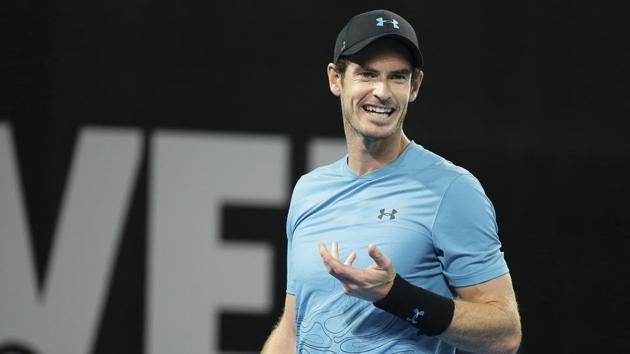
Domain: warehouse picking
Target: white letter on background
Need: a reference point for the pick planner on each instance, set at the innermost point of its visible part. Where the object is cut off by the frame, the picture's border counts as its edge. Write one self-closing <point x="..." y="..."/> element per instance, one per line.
<point x="192" y="273"/>
<point x="63" y="317"/>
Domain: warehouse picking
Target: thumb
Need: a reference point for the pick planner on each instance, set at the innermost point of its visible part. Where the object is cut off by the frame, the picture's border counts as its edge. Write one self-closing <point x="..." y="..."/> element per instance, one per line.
<point x="378" y="256"/>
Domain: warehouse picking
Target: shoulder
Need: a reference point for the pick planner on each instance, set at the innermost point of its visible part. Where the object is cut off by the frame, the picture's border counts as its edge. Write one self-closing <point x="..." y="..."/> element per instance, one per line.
<point x="435" y="171"/>
<point x="313" y="187"/>
<point x="319" y="177"/>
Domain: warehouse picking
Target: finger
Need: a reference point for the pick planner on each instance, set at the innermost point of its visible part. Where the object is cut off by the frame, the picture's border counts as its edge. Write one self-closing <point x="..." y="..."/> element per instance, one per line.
<point x="334" y="250"/>
<point x="322" y="248"/>
<point x="378" y="257"/>
<point x="350" y="259"/>
<point x="323" y="252"/>
<point x="341" y="271"/>
<point x="333" y="265"/>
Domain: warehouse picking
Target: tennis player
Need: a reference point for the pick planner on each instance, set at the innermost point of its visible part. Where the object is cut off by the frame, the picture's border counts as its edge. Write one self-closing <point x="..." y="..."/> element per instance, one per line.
<point x="391" y="249"/>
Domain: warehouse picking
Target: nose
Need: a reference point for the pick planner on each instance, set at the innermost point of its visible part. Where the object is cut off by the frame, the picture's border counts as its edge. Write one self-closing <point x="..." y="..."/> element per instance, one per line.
<point x="382" y="91"/>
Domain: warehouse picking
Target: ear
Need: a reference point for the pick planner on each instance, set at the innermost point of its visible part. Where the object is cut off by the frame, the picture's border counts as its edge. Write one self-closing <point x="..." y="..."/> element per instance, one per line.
<point x="415" y="86"/>
<point x="334" y="79"/>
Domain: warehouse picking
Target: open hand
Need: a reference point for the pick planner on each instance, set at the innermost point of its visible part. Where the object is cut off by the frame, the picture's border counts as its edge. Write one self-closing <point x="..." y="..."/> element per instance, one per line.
<point x="371" y="283"/>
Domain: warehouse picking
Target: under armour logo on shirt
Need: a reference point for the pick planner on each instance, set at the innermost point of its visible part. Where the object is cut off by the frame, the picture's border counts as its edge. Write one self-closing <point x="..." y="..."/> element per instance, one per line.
<point x="381" y="22"/>
<point x="391" y="215"/>
<point x="415" y="315"/>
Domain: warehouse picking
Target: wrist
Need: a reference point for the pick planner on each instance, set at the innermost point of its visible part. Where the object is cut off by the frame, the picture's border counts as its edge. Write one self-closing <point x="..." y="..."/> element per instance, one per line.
<point x="429" y="312"/>
<point x="385" y="289"/>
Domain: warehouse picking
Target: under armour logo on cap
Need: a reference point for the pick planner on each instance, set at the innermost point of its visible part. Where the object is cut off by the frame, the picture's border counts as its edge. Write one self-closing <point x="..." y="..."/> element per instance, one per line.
<point x="367" y="27"/>
<point x="381" y="22"/>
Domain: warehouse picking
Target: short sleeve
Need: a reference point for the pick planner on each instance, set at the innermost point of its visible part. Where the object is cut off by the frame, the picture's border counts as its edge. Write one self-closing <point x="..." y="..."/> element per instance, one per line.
<point x="465" y="235"/>
<point x="291" y="220"/>
<point x="290" y="279"/>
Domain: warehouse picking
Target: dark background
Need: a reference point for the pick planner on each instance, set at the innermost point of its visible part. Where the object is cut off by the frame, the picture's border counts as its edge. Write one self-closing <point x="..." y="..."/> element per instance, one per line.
<point x="530" y="96"/>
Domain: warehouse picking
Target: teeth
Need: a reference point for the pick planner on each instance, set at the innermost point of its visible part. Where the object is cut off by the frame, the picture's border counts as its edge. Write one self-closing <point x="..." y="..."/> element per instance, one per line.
<point x="377" y="109"/>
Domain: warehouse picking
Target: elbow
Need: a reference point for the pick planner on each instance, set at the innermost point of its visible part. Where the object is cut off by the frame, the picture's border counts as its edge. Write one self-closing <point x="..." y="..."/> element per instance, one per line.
<point x="515" y="338"/>
<point x="511" y="341"/>
<point x="512" y="345"/>
<point x="509" y="344"/>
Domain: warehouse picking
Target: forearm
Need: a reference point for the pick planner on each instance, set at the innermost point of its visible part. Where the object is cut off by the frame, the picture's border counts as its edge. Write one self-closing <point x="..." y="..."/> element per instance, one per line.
<point x="485" y="320"/>
<point x="281" y="340"/>
<point x="484" y="328"/>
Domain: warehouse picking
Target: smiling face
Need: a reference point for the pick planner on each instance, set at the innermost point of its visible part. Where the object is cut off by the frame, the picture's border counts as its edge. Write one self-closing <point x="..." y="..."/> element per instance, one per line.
<point x="375" y="89"/>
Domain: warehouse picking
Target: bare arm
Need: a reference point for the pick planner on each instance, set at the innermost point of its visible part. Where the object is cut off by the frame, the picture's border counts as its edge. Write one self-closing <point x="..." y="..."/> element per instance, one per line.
<point x="486" y="319"/>
<point x="282" y="338"/>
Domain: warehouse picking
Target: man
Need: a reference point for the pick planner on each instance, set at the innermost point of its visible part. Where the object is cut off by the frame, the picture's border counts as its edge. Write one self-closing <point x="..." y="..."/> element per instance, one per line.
<point x="435" y="279"/>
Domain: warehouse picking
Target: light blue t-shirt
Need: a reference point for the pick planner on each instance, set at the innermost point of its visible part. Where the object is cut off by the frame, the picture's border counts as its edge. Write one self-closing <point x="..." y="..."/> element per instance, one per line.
<point x="429" y="216"/>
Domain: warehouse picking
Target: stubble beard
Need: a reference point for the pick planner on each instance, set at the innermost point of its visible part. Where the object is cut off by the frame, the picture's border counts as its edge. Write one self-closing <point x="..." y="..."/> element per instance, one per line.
<point x="353" y="127"/>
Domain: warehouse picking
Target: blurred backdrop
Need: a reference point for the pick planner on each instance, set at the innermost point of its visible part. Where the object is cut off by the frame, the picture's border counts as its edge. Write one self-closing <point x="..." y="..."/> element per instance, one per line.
<point x="148" y="150"/>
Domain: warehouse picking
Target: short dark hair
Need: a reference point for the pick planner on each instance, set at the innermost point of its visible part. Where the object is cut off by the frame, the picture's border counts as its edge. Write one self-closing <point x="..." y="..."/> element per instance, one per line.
<point x="342" y="64"/>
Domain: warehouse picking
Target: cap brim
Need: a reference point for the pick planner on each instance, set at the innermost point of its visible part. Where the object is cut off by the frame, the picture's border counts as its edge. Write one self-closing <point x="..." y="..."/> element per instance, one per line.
<point x="357" y="47"/>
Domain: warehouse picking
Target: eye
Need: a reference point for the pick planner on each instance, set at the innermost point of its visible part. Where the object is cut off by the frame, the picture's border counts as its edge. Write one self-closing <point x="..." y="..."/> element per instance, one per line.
<point x="399" y="77"/>
<point x="367" y="74"/>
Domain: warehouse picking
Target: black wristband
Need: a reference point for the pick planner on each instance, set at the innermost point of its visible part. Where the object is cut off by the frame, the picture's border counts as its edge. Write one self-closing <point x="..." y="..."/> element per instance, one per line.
<point x="425" y="310"/>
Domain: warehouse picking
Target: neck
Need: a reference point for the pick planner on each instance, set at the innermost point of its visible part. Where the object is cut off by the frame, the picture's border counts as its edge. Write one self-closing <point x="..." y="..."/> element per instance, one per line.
<point x="365" y="155"/>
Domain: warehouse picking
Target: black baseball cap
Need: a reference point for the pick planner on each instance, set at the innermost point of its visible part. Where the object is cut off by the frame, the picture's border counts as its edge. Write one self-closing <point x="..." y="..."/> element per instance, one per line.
<point x="367" y="27"/>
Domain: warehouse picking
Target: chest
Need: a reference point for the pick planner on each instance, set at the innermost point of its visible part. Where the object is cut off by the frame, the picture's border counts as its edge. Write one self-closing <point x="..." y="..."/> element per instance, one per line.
<point x="397" y="220"/>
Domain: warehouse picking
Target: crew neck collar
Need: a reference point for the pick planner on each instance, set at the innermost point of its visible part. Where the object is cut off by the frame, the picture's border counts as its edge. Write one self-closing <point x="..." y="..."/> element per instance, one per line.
<point x="381" y="171"/>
